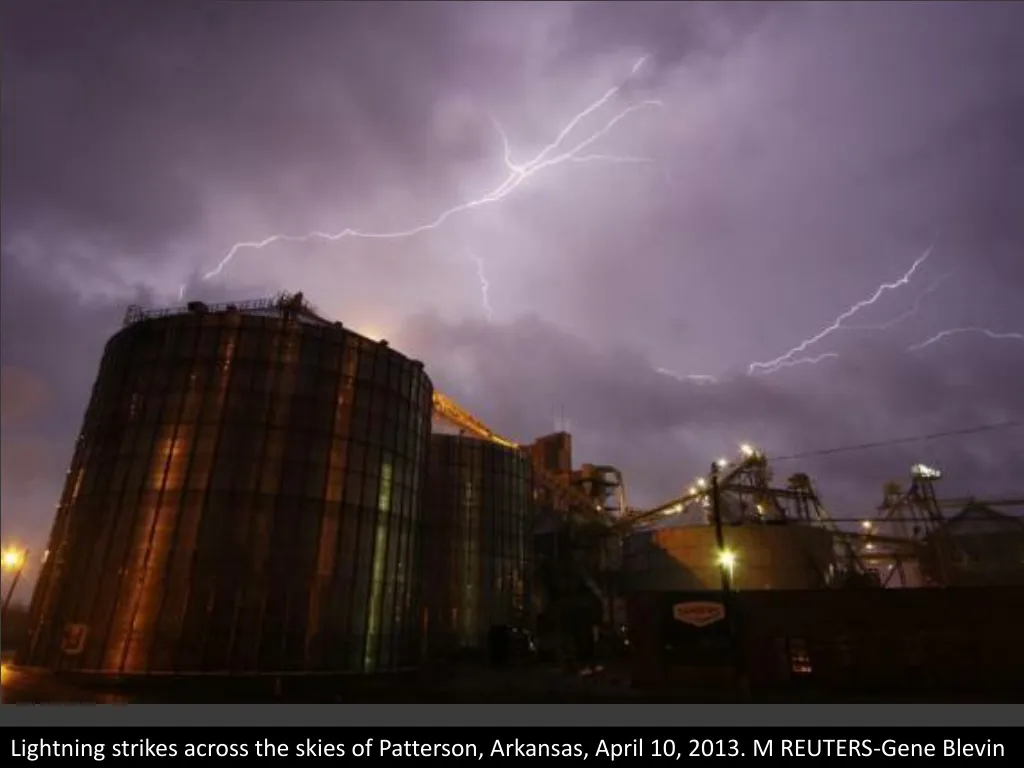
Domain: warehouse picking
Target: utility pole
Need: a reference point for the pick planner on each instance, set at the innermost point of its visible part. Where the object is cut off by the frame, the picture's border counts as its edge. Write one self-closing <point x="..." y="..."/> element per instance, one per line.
<point x="721" y="555"/>
<point x="725" y="565"/>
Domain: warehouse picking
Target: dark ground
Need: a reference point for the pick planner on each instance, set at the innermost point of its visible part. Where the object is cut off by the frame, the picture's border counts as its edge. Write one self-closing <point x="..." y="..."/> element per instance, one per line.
<point x="474" y="686"/>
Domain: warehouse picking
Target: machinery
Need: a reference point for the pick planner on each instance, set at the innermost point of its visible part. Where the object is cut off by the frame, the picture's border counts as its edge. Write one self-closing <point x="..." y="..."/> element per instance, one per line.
<point x="891" y="542"/>
<point x="907" y="543"/>
<point x="575" y="555"/>
<point x="568" y="498"/>
<point x="746" y="496"/>
<point x="910" y="542"/>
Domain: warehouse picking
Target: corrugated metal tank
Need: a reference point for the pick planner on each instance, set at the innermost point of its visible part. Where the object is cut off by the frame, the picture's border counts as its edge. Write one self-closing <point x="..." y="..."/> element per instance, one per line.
<point x="766" y="557"/>
<point x="244" y="496"/>
<point x="477" y="546"/>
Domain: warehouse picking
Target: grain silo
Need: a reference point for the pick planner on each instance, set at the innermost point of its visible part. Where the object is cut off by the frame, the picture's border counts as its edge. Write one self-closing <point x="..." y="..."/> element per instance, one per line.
<point x="477" y="543"/>
<point x="243" y="497"/>
<point x="761" y="556"/>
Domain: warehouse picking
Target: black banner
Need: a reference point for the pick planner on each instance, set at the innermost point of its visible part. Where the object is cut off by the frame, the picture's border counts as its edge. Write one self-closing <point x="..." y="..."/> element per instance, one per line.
<point x="619" y="746"/>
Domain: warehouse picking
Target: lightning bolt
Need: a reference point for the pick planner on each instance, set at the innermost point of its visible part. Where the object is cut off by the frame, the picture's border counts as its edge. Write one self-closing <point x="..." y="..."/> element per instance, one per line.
<point x="906" y="315"/>
<point x="551" y="155"/>
<point x="772" y="365"/>
<point x="698" y="378"/>
<point x="970" y="329"/>
<point x="484" y="287"/>
<point x="799" y="361"/>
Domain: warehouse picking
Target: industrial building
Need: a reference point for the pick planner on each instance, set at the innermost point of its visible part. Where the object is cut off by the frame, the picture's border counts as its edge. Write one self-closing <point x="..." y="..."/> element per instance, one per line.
<point x="891" y="641"/>
<point x="477" y="544"/>
<point x="985" y="547"/>
<point x="256" y="489"/>
<point x="244" y="496"/>
<point x="684" y="558"/>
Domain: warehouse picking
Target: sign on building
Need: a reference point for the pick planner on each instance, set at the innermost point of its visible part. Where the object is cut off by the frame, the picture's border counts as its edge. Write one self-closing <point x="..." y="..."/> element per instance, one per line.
<point x="698" y="613"/>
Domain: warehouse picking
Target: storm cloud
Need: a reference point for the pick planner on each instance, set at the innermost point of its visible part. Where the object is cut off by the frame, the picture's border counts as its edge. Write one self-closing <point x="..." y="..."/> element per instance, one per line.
<point x="798" y="156"/>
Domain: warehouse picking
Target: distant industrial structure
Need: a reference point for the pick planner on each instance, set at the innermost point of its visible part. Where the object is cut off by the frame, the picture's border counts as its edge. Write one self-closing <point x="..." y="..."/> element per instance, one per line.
<point x="257" y="489"/>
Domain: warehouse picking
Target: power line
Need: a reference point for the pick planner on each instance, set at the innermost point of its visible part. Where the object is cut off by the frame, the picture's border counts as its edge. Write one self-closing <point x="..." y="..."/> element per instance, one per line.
<point x="902" y="440"/>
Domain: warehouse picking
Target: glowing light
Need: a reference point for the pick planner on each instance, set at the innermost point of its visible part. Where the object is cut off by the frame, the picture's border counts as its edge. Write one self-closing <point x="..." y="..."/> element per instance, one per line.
<point x="701" y="482"/>
<point x="12" y="559"/>
<point x="692" y="490"/>
<point x="727" y="559"/>
<point x="970" y="329"/>
<point x="722" y="463"/>
<point x="866" y="525"/>
<point x="551" y="155"/>
<point x="926" y="472"/>
<point x="747" y="450"/>
<point x="772" y="365"/>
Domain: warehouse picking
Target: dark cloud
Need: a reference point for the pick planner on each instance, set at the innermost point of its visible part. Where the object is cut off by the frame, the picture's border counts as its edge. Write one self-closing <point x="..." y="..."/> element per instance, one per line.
<point x="47" y="332"/>
<point x="117" y="118"/>
<point x="22" y="394"/>
<point x="668" y="33"/>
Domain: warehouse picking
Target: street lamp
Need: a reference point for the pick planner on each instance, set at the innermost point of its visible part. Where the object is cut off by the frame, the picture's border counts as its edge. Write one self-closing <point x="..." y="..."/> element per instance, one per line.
<point x="12" y="561"/>
<point x="727" y="560"/>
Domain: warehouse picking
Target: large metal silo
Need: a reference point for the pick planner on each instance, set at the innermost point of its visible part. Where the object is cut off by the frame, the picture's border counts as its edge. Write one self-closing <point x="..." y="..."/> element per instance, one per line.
<point x="477" y="542"/>
<point x="244" y="497"/>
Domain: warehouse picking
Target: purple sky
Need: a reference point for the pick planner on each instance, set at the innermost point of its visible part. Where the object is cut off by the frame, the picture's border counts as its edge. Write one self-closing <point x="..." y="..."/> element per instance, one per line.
<point x="798" y="157"/>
